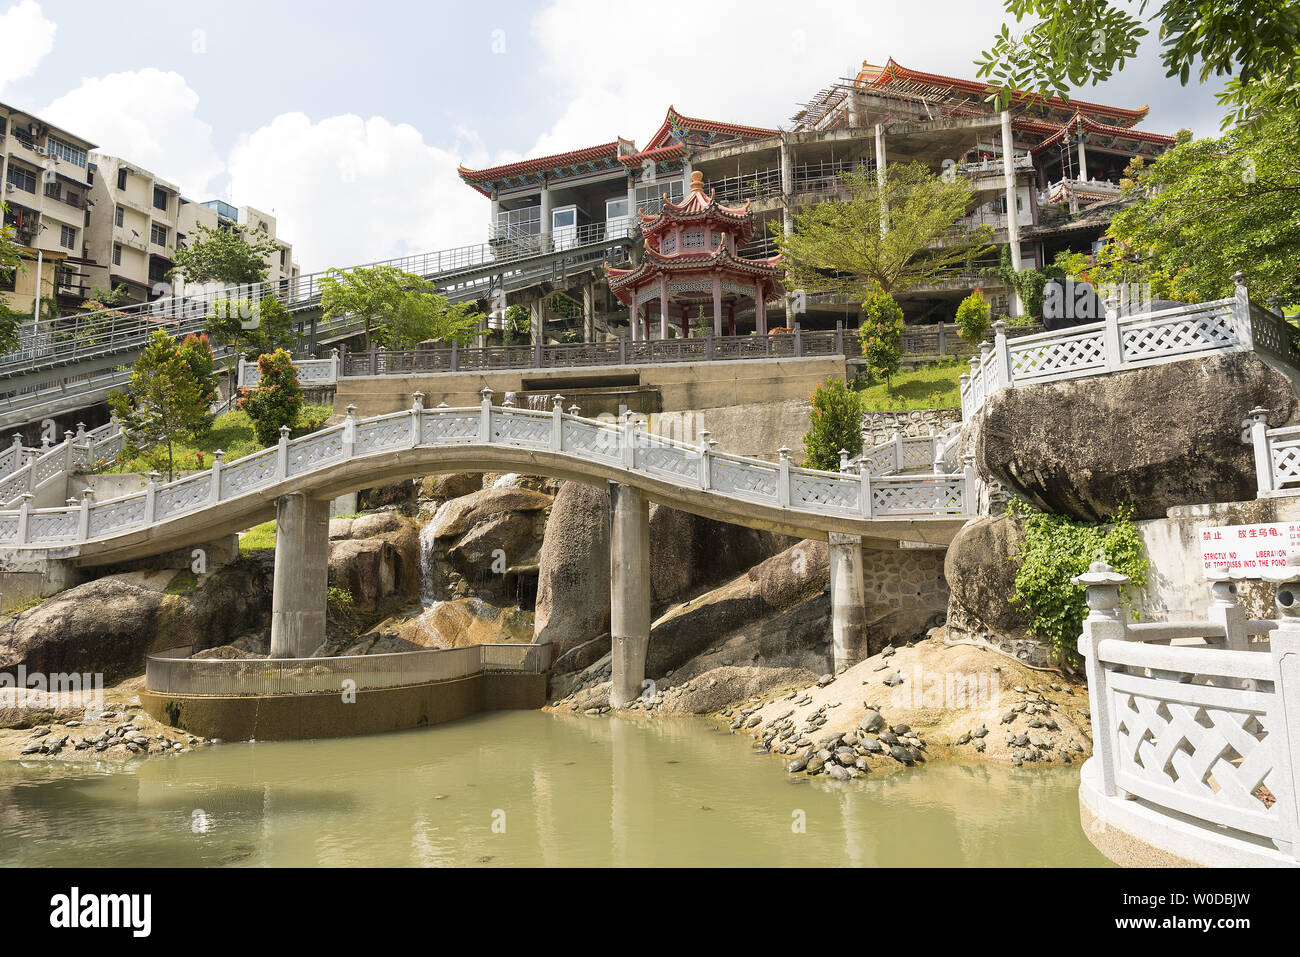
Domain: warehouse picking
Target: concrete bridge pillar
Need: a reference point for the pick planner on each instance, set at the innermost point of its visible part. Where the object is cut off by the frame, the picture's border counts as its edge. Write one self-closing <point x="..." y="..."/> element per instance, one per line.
<point x="629" y="573"/>
<point x="302" y="552"/>
<point x="848" y="600"/>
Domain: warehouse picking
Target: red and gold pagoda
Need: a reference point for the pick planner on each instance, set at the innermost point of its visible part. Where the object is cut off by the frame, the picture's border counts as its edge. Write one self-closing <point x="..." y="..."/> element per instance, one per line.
<point x="691" y="266"/>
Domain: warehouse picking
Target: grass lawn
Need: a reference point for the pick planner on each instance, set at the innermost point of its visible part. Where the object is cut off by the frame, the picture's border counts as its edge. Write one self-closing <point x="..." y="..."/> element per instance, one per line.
<point x="258" y="538"/>
<point x="936" y="386"/>
<point x="232" y="433"/>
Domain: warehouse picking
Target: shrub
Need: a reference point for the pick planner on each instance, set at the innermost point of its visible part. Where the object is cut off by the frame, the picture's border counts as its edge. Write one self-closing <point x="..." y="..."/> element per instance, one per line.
<point x="277" y="400"/>
<point x="1057" y="549"/>
<point x="973" y="317"/>
<point x="881" y="335"/>
<point x="835" y="423"/>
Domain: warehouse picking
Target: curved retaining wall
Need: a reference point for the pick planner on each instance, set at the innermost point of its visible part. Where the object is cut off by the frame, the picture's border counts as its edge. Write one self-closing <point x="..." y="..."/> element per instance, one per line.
<point x="327" y="715"/>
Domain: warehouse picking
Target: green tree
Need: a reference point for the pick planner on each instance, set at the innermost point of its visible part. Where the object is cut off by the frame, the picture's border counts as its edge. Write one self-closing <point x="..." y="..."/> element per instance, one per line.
<point x="230" y="256"/>
<point x="196" y="351"/>
<point x="11" y="260"/>
<point x="394" y="305"/>
<point x="880" y="336"/>
<point x="249" y="328"/>
<point x="166" y="402"/>
<point x="277" y="400"/>
<point x="973" y="317"/>
<point x="835" y="423"/>
<point x="1082" y="42"/>
<point x="516" y="325"/>
<point x="424" y="316"/>
<point x="1210" y="208"/>
<point x="842" y="247"/>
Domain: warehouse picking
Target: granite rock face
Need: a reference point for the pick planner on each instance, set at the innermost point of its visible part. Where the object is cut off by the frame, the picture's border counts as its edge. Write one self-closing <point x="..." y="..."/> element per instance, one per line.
<point x="1151" y="438"/>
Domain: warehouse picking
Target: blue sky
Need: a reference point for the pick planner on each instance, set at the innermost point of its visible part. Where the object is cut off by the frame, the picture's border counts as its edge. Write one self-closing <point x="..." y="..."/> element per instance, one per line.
<point x="347" y="120"/>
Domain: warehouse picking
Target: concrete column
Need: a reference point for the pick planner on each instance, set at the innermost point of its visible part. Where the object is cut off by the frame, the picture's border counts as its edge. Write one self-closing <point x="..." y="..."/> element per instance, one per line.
<point x="546" y="215"/>
<point x="492" y="220"/>
<point x="880" y="178"/>
<point x="848" y="600"/>
<point x="787" y="186"/>
<point x="536" y="321"/>
<point x="855" y="118"/>
<point x="1013" y="216"/>
<point x="301" y="574"/>
<point x="589" y="312"/>
<point x="663" y="307"/>
<point x="1083" y="157"/>
<point x="629" y="573"/>
<point x="717" y="305"/>
<point x="631" y="200"/>
<point x="687" y="169"/>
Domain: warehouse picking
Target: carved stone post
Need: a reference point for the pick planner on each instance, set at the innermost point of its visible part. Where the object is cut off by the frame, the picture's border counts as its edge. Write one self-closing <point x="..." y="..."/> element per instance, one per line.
<point x="1254" y="430"/>
<point x="1106" y="620"/>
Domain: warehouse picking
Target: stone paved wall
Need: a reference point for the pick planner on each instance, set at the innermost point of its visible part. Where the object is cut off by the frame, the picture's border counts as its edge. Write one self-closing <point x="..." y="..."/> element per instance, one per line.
<point x="907" y="578"/>
<point x="878" y="427"/>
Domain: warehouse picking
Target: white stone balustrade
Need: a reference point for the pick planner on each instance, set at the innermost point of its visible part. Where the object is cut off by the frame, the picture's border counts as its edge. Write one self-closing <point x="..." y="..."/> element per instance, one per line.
<point x="1277" y="454"/>
<point x="910" y="453"/>
<point x="311" y="372"/>
<point x="624" y="447"/>
<point x="1233" y="324"/>
<point x="1196" y="727"/>
<point x="46" y="470"/>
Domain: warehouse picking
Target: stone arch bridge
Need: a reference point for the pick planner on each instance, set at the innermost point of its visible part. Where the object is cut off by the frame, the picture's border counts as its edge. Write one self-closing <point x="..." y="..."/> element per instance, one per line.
<point x="295" y="481"/>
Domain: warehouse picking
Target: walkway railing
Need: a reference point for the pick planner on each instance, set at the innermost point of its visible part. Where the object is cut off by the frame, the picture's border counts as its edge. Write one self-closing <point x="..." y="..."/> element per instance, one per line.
<point x="909" y="453"/>
<point x="226" y="677"/>
<point x="311" y="372"/>
<point x="1190" y="718"/>
<point x="1116" y="344"/>
<point x="1277" y="453"/>
<point x="623" y="351"/>
<point x="624" y="447"/>
<point x="68" y="339"/>
<point x="49" y="467"/>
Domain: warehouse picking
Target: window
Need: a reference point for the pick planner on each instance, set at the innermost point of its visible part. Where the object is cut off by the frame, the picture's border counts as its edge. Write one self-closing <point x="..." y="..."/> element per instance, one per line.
<point x="118" y="216"/>
<point x="67" y="237"/>
<point x="66" y="151"/>
<point x="160" y="199"/>
<point x="649" y="198"/>
<point x="121" y="178"/>
<point x="22" y="178"/>
<point x="616" y="208"/>
<point x="526" y="221"/>
<point x="282" y="252"/>
<point x="158" y="235"/>
<point x="117" y="254"/>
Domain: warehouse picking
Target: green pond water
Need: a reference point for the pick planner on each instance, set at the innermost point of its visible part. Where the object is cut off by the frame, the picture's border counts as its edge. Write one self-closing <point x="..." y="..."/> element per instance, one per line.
<point x="531" y="789"/>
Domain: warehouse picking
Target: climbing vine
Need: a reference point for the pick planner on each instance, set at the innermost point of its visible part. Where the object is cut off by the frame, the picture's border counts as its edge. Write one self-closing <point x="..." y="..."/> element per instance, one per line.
<point x="1056" y="549"/>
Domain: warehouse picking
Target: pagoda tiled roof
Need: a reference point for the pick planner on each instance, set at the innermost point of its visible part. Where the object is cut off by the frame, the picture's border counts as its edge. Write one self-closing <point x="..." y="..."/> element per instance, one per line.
<point x="1055" y="132"/>
<point x="479" y="178"/>
<point x="894" y="71"/>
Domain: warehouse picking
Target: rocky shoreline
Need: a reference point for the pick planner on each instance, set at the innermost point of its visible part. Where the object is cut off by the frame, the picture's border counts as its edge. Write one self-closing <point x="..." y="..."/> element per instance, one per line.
<point x="901" y="708"/>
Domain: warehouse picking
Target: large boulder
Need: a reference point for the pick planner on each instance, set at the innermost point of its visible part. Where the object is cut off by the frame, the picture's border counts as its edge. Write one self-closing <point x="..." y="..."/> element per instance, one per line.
<point x="573" y="572"/>
<point x="981" y="574"/>
<point x="459" y="515"/>
<point x="687" y="553"/>
<point x="379" y="563"/>
<point x="1151" y="438"/>
<point x="111" y="624"/>
<point x="472" y="539"/>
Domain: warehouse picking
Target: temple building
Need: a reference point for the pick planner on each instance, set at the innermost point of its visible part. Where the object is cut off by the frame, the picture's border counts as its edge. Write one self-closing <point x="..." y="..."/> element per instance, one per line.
<point x="690" y="264"/>
<point x="1044" y="175"/>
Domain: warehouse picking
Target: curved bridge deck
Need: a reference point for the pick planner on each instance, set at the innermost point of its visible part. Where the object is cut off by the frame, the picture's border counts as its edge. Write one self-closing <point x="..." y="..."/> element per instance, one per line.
<point x="367" y="452"/>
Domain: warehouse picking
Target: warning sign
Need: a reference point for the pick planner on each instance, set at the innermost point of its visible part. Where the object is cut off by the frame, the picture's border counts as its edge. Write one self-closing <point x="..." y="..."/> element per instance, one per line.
<point x="1250" y="551"/>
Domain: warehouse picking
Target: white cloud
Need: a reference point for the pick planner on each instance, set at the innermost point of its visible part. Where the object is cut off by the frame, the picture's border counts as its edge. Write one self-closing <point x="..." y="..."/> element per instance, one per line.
<point x="148" y="117"/>
<point x="28" y="38"/>
<point x="346" y="190"/>
<point x="728" y="60"/>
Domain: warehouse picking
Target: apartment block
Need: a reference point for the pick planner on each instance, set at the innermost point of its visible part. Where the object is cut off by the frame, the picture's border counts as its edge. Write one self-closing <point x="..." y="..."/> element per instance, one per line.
<point x="134" y="227"/>
<point x="48" y="180"/>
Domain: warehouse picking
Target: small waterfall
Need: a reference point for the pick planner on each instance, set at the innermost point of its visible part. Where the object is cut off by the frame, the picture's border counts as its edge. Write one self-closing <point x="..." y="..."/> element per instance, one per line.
<point x="539" y="403"/>
<point x="427" y="596"/>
